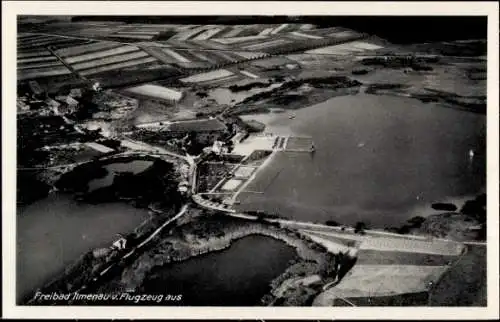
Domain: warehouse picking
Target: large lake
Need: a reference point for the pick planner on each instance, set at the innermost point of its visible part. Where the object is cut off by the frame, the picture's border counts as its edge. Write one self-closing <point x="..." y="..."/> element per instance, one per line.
<point x="378" y="159"/>
<point x="237" y="276"/>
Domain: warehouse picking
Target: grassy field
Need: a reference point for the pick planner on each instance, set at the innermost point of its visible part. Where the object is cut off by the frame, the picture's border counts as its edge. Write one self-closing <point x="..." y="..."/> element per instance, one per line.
<point x="408" y="299"/>
<point x="465" y="283"/>
<point x="370" y="257"/>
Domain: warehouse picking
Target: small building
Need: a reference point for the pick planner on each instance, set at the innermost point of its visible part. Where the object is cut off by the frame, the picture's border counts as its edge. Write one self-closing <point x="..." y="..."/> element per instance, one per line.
<point x="101" y="252"/>
<point x="71" y="102"/>
<point x="75" y="92"/>
<point x="22" y="106"/>
<point x="68" y="104"/>
<point x="35" y="88"/>
<point x="238" y="137"/>
<point x="52" y="103"/>
<point x="120" y="244"/>
<point x="156" y="95"/>
<point x="217" y="147"/>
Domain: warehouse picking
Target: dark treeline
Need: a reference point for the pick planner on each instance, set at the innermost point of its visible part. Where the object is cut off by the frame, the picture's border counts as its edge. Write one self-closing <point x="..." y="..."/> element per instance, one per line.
<point x="397" y="29"/>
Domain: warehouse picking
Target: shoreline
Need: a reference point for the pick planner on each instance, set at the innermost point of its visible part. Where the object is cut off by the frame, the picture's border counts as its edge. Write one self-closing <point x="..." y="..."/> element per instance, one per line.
<point x="310" y="255"/>
<point x="280" y="123"/>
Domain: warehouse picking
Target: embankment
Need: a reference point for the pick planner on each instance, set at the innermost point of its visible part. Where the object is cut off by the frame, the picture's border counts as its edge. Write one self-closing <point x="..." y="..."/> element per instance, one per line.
<point x="218" y="232"/>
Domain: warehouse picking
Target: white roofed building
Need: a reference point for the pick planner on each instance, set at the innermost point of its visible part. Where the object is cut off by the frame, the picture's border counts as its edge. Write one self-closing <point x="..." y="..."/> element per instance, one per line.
<point x="155" y="92"/>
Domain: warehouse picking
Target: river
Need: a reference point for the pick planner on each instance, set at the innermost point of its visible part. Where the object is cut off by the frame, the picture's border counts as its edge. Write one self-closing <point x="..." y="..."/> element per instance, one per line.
<point x="237" y="276"/>
<point x="378" y="159"/>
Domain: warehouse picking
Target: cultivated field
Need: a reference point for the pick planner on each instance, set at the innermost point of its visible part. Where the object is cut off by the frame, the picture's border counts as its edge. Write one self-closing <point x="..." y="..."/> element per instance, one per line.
<point x="33" y="73"/>
<point x="87" y="48"/>
<point x="110" y="60"/>
<point x="100" y="54"/>
<point x="386" y="280"/>
<point x="413" y="246"/>
<point x="209" y="76"/>
<point x="118" y="66"/>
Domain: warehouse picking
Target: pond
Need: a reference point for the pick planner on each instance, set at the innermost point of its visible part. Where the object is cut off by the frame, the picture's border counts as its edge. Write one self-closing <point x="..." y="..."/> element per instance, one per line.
<point x="135" y="167"/>
<point x="237" y="276"/>
<point x="54" y="232"/>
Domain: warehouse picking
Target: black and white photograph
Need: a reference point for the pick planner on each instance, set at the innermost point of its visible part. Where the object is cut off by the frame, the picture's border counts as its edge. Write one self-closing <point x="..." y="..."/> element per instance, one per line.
<point x="252" y="160"/>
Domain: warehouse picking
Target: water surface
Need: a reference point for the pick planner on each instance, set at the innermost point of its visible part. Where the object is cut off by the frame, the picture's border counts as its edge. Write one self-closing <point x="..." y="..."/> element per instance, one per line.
<point x="54" y="232"/>
<point x="378" y="159"/>
<point x="237" y="276"/>
<point x="135" y="167"/>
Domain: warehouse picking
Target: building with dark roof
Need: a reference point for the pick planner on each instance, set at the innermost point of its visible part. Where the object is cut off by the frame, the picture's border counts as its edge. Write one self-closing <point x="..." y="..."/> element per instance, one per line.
<point x="207" y="130"/>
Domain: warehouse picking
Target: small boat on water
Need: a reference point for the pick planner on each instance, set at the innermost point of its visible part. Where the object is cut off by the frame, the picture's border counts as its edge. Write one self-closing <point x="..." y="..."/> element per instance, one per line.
<point x="292" y="116"/>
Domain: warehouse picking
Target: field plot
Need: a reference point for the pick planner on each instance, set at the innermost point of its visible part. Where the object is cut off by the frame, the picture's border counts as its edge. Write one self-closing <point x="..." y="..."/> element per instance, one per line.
<point x="236" y="40"/>
<point x="233" y="32"/>
<point x="82" y="29"/>
<point x="229" y="56"/>
<point x="413" y="246"/>
<point x="207" y="34"/>
<point x="178" y="57"/>
<point x="197" y="58"/>
<point x="249" y="74"/>
<point x="444" y="79"/>
<point x="346" y="48"/>
<point x="249" y="54"/>
<point x="51" y="63"/>
<point x="331" y="245"/>
<point x="134" y="75"/>
<point x="134" y="36"/>
<point x="267" y="44"/>
<point x="211" y="174"/>
<point x="100" y="54"/>
<point x="40" y="42"/>
<point x="280" y="28"/>
<point x="375" y="257"/>
<point x="35" y="60"/>
<point x="99" y="57"/>
<point x="33" y="54"/>
<point x="109" y="60"/>
<point x="302" y="35"/>
<point x="209" y="76"/>
<point x="406" y="299"/>
<point x="189" y="32"/>
<point x="343" y="238"/>
<point x="125" y="64"/>
<point x="385" y="280"/>
<point x="464" y="284"/>
<point x="87" y="48"/>
<point x="33" y="73"/>
<point x="315" y="61"/>
<point x="273" y="63"/>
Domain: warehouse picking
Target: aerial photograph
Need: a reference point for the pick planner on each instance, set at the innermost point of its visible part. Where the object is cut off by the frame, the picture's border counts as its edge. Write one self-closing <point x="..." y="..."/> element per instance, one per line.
<point x="251" y="161"/>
